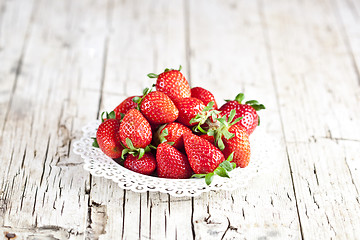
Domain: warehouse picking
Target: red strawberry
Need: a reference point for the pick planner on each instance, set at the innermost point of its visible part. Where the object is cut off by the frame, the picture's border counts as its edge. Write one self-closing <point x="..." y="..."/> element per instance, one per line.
<point x="172" y="83"/>
<point x="248" y="111"/>
<point x="211" y="139"/>
<point x="124" y="107"/>
<point x="203" y="156"/>
<point x="204" y="95"/>
<point x="239" y="145"/>
<point x="158" y="108"/>
<point x="107" y="138"/>
<point x="171" y="163"/>
<point x="188" y="109"/>
<point x="145" y="165"/>
<point x="136" y="128"/>
<point x="172" y="132"/>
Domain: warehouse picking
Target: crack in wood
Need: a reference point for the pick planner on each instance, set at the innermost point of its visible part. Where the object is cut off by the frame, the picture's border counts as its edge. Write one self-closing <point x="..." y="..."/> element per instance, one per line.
<point x="45" y="159"/>
<point x="23" y="194"/>
<point x="140" y="209"/>
<point x="97" y="220"/>
<point x="330" y="225"/>
<point x="43" y="232"/>
<point x="150" y="214"/>
<point x="315" y="173"/>
<point x="229" y="227"/>
<point x="351" y="176"/>
<point x="123" y="220"/>
<point x="192" y="218"/>
<point x="35" y="199"/>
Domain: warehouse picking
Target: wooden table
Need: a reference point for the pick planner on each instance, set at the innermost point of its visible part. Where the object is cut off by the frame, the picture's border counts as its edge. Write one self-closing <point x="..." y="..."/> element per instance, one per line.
<point x="64" y="62"/>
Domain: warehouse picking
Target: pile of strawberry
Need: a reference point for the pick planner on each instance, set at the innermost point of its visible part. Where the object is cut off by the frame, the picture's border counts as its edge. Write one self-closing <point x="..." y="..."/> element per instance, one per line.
<point x="179" y="132"/>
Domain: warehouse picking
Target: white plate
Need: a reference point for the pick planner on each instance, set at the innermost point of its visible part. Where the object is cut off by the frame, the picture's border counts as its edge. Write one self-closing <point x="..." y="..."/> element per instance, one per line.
<point x="98" y="164"/>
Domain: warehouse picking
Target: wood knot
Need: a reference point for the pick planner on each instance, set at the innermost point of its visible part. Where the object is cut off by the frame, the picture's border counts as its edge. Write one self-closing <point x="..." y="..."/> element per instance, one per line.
<point x="10" y="235"/>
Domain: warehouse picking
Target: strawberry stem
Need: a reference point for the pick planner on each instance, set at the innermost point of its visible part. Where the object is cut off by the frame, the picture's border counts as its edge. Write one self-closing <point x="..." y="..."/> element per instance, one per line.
<point x="139" y="100"/>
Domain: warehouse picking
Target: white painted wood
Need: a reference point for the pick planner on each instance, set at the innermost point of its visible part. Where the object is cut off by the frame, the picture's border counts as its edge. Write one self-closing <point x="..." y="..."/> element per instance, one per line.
<point x="57" y="91"/>
<point x="229" y="56"/>
<point x="318" y="92"/>
<point x="13" y="41"/>
<point x="64" y="62"/>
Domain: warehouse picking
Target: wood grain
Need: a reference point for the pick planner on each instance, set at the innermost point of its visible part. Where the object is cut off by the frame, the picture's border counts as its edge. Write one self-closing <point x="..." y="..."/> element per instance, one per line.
<point x="64" y="62"/>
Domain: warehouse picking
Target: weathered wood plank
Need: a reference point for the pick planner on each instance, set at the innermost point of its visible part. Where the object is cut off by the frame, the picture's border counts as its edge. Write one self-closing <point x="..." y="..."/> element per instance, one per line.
<point x="348" y="16"/>
<point x="13" y="42"/>
<point x="317" y="91"/>
<point x="45" y="185"/>
<point x="228" y="56"/>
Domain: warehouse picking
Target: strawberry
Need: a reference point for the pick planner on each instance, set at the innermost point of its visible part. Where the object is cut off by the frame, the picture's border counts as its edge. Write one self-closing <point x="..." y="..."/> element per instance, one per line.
<point x="205" y="159"/>
<point x="211" y="139"/>
<point x="188" y="109"/>
<point x="107" y="138"/>
<point x="172" y="132"/>
<point x="158" y="108"/>
<point x="172" y="83"/>
<point x="171" y="163"/>
<point x="136" y="128"/>
<point x="203" y="156"/>
<point x="204" y="95"/>
<point x="239" y="145"/>
<point x="145" y="165"/>
<point x="125" y="106"/>
<point x="248" y="111"/>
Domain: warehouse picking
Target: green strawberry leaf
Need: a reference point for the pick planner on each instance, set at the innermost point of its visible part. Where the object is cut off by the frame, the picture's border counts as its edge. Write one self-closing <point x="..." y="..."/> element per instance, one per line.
<point x="152" y="75"/>
<point x="149" y="147"/>
<point x="230" y="157"/>
<point x="208" y="107"/>
<point x="136" y="99"/>
<point x="226" y="165"/>
<point x="240" y="97"/>
<point x="221" y="172"/>
<point x="145" y="91"/>
<point x="102" y="116"/>
<point x="258" y="120"/>
<point x="129" y="143"/>
<point x="236" y="121"/>
<point x="111" y="115"/>
<point x="231" y="115"/>
<point x="95" y="143"/>
<point x="258" y="107"/>
<point x="124" y="152"/>
<point x="209" y="178"/>
<point x="199" y="175"/>
<point x="165" y="132"/>
<point x="141" y="152"/>
<point x="220" y="144"/>
<point x="211" y="132"/>
<point x="251" y="102"/>
<point x="180" y="68"/>
<point x="228" y="134"/>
